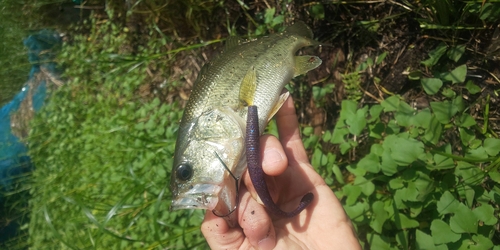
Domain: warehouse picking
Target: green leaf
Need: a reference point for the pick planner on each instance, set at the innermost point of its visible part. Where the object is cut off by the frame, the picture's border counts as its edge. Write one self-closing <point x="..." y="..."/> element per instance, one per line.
<point x="403" y="151"/>
<point x="425" y="242"/>
<point x="431" y="85"/>
<point x="269" y="15"/>
<point x="403" y="222"/>
<point x="444" y="111"/>
<point x="472" y="88"/>
<point x="466" y="121"/>
<point x="463" y="220"/>
<point x="378" y="242"/>
<point x="443" y="162"/>
<point x="357" y="121"/>
<point x="434" y="55"/>
<point x="370" y="163"/>
<point x="471" y="174"/>
<point x="388" y="165"/>
<point x="477" y="153"/>
<point x="495" y="176"/>
<point x="455" y="52"/>
<point x="434" y="130"/>
<point x="380" y="58"/>
<point x="357" y="211"/>
<point x="492" y="146"/>
<point x="391" y="104"/>
<point x="447" y="203"/>
<point x="457" y="75"/>
<point x="375" y="112"/>
<point x="367" y="187"/>
<point x="352" y="192"/>
<point x="486" y="213"/>
<point x="441" y="232"/>
<point x="338" y="174"/>
<point x="317" y="11"/>
<point x="396" y="183"/>
<point x="379" y="216"/>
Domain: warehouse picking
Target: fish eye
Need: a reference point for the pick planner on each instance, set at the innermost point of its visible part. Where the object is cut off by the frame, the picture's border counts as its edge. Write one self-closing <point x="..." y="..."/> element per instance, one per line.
<point x="184" y="172"/>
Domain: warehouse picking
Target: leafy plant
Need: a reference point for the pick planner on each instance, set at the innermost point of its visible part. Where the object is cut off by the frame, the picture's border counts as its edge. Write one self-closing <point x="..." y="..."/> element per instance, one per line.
<point x="103" y="155"/>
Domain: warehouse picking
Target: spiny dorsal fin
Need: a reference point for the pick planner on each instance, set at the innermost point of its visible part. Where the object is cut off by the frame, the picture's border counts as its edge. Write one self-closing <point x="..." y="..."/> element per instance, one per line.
<point x="300" y="28"/>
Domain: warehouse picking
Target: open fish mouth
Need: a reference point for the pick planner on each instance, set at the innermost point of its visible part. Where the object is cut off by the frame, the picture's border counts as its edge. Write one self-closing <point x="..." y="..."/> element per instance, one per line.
<point x="200" y="196"/>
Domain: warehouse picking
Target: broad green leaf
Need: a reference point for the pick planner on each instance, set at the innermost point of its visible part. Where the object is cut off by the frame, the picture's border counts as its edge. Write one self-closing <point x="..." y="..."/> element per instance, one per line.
<point x="492" y="146"/>
<point x="467" y="193"/>
<point x="391" y="104"/>
<point x="486" y="213"/>
<point x="476" y="242"/>
<point x="431" y="85"/>
<point x="463" y="220"/>
<point x="443" y="162"/>
<point x="396" y="183"/>
<point x="425" y="242"/>
<point x="467" y="136"/>
<point x="471" y="174"/>
<point x="466" y="121"/>
<point x="434" y="55"/>
<point x="441" y="232"/>
<point x="352" y="192"/>
<point x="379" y="216"/>
<point x="422" y="118"/>
<point x="455" y="52"/>
<point x="367" y="186"/>
<point x="388" y="165"/>
<point x="444" y="111"/>
<point x="457" y="75"/>
<point x="370" y="163"/>
<point x="357" y="211"/>
<point x="339" y="135"/>
<point x="357" y="121"/>
<point x="403" y="151"/>
<point x="447" y="203"/>
<point x="472" y="88"/>
<point x="378" y="242"/>
<point x="403" y="222"/>
<point x="477" y="153"/>
<point x="495" y="176"/>
<point x="375" y="112"/>
<point x="434" y="130"/>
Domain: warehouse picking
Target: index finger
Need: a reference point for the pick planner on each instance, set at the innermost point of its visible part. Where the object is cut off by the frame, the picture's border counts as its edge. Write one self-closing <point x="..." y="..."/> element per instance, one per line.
<point x="289" y="133"/>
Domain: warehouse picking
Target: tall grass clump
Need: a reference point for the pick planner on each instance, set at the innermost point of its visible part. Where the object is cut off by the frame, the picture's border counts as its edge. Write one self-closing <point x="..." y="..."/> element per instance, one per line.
<point x="103" y="154"/>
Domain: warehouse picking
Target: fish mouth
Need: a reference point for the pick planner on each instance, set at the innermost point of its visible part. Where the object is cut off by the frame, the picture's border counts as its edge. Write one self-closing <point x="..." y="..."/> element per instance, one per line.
<point x="200" y="196"/>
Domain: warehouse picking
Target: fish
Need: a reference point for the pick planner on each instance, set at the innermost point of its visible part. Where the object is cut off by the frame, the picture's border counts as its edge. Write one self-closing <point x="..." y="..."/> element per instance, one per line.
<point x="210" y="151"/>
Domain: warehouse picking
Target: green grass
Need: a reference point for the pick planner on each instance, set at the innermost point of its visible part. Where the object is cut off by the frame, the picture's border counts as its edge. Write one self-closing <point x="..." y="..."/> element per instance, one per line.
<point x="409" y="178"/>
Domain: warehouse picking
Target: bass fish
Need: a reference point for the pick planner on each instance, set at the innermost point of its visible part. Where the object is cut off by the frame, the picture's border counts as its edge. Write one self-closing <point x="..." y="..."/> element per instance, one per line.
<point x="211" y="148"/>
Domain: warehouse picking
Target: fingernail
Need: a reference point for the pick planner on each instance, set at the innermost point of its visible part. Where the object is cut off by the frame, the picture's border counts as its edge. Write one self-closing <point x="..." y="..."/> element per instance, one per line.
<point x="271" y="156"/>
<point x="266" y="243"/>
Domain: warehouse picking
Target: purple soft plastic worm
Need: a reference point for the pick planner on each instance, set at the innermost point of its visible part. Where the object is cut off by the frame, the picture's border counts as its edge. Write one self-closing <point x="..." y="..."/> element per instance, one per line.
<point x="256" y="172"/>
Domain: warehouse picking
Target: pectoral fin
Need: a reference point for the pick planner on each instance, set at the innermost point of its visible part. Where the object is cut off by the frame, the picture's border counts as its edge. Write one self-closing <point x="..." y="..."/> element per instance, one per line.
<point x="248" y="87"/>
<point x="305" y="63"/>
<point x="278" y="105"/>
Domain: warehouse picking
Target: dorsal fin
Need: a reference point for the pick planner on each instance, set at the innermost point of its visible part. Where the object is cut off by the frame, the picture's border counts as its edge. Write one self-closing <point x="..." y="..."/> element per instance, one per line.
<point x="300" y="28"/>
<point x="232" y="41"/>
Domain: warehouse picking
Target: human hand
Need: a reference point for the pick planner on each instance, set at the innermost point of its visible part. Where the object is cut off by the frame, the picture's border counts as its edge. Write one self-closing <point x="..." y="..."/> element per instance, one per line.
<point x="322" y="225"/>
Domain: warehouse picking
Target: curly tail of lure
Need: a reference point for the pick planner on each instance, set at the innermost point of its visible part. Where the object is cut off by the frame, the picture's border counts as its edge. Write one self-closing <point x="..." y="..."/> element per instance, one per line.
<point x="256" y="172"/>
